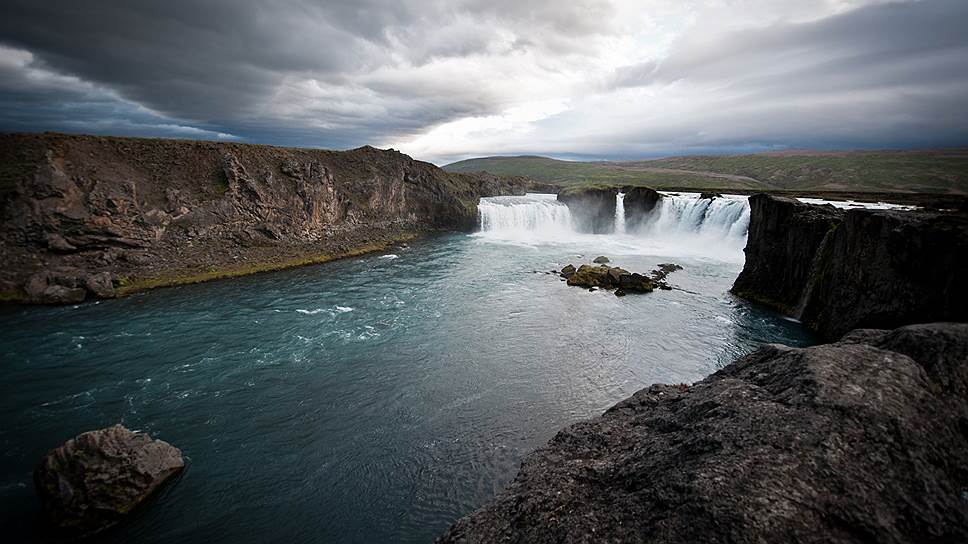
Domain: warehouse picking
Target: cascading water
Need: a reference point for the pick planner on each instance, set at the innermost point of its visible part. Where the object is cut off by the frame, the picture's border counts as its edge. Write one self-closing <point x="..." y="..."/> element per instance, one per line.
<point x="620" y="213"/>
<point x="723" y="218"/>
<point x="529" y="215"/>
<point x="681" y="224"/>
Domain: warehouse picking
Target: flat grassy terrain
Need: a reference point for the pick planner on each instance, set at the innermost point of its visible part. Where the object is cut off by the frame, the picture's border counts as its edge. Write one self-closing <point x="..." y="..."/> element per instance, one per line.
<point x="928" y="171"/>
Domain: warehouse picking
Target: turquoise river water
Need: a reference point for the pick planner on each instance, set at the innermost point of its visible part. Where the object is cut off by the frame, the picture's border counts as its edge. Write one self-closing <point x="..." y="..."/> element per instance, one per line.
<point x="376" y="399"/>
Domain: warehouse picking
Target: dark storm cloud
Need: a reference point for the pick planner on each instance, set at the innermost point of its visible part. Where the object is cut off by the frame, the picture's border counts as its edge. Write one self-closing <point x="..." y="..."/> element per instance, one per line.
<point x="219" y="64"/>
<point x="879" y="76"/>
<point x="345" y="73"/>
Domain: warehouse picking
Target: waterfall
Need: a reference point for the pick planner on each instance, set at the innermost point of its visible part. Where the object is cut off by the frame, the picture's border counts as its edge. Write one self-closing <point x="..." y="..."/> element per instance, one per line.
<point x="524" y="215"/>
<point x="723" y="218"/>
<point x="681" y="223"/>
<point x="620" y="213"/>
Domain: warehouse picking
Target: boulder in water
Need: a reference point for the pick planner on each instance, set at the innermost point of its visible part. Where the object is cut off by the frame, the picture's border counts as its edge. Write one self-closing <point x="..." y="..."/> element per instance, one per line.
<point x="94" y="480"/>
<point x="607" y="277"/>
<point x="709" y="196"/>
<point x="601" y="259"/>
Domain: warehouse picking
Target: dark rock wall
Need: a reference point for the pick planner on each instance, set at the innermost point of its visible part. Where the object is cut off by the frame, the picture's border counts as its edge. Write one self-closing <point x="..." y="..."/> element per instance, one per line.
<point x="890" y="268"/>
<point x="592" y="208"/>
<point x="858" y="441"/>
<point x="839" y="270"/>
<point x="74" y="207"/>
<point x="639" y="204"/>
<point x="784" y="237"/>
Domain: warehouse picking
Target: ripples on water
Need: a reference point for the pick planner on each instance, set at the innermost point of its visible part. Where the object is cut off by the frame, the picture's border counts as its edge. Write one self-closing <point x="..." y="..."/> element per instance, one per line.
<point x="368" y="400"/>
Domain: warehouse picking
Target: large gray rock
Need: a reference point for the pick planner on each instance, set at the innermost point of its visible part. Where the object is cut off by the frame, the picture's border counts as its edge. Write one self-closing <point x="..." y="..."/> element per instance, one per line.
<point x="859" y="441"/>
<point x="95" y="479"/>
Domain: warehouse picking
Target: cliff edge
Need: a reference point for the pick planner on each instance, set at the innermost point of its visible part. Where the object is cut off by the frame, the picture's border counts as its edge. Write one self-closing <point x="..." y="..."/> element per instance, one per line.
<point x="86" y="216"/>
<point x="858" y="441"/>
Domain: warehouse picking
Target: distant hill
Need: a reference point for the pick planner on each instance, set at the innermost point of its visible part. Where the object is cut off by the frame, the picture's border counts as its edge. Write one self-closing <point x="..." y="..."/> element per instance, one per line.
<point x="927" y="171"/>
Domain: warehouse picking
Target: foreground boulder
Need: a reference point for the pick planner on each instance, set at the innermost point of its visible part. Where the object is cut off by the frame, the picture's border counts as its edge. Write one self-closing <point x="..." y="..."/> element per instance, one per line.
<point x="95" y="479"/>
<point x="837" y="270"/>
<point x="858" y="441"/>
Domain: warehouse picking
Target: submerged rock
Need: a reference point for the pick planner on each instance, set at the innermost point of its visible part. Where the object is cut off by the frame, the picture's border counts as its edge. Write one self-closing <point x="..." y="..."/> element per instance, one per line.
<point x="94" y="480"/>
<point x="858" y="441"/>
<point x="567" y="271"/>
<point x="601" y="259"/>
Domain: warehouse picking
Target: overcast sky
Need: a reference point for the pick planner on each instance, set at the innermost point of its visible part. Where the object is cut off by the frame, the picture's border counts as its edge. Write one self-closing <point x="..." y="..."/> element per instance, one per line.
<point x="451" y="79"/>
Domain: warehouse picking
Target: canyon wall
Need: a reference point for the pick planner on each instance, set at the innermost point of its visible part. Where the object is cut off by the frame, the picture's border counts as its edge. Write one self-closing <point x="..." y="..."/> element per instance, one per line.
<point x="837" y="270"/>
<point x="857" y="441"/>
<point x="84" y="216"/>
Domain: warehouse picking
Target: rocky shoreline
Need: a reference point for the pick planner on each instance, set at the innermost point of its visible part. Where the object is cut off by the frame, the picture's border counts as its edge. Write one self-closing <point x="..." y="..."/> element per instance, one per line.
<point x="857" y="441"/>
<point x="96" y="217"/>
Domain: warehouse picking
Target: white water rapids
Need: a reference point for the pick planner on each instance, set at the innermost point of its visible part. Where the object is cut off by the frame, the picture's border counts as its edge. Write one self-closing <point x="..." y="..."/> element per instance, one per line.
<point x="681" y="224"/>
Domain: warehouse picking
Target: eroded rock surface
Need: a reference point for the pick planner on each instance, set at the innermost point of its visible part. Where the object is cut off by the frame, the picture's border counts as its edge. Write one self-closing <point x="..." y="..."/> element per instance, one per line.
<point x="85" y="216"/>
<point x="859" y="441"/>
<point x="94" y="480"/>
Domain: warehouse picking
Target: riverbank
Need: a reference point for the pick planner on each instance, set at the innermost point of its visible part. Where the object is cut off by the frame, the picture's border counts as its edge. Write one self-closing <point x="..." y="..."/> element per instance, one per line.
<point x="98" y="217"/>
<point x="856" y="441"/>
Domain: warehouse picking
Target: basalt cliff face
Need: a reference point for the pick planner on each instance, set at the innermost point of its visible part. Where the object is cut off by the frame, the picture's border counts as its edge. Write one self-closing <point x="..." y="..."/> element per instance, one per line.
<point x="84" y="216"/>
<point x="859" y="441"/>
<point x="837" y="270"/>
<point x="639" y="203"/>
<point x="592" y="208"/>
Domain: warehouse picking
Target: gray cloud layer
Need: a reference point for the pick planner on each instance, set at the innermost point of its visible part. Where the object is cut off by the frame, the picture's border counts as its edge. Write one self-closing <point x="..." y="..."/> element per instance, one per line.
<point x="345" y="73"/>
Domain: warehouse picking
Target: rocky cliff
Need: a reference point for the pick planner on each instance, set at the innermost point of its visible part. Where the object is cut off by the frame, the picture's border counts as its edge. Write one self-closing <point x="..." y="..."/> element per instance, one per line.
<point x="93" y="216"/>
<point x="859" y="441"/>
<point x="592" y="208"/>
<point x="639" y="203"/>
<point x="838" y="270"/>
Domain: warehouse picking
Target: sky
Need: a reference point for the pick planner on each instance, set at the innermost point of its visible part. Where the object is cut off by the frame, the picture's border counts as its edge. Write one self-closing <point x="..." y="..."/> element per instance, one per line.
<point x="452" y="79"/>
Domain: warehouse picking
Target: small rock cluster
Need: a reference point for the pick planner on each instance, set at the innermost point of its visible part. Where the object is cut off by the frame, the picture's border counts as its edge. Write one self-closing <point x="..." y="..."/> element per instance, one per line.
<point x="615" y="277"/>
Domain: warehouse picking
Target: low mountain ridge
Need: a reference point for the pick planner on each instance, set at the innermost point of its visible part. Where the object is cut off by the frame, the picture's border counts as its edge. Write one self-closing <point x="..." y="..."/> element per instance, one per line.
<point x="921" y="171"/>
